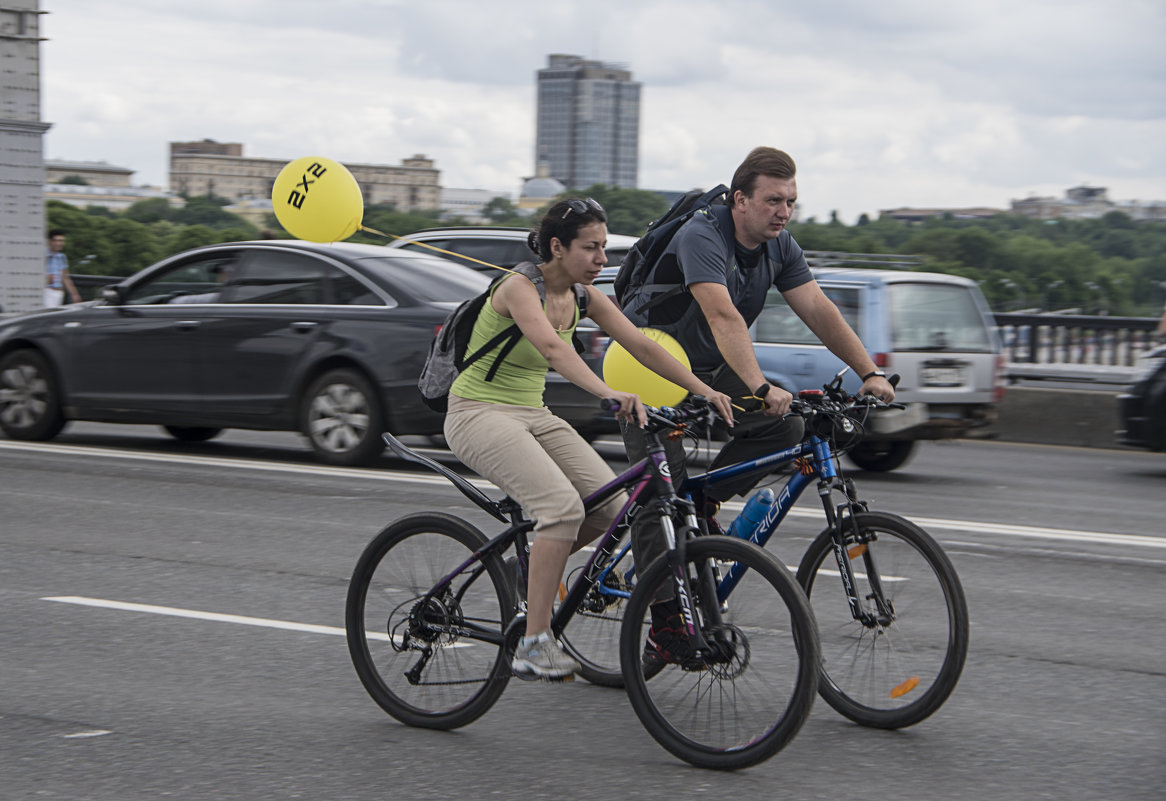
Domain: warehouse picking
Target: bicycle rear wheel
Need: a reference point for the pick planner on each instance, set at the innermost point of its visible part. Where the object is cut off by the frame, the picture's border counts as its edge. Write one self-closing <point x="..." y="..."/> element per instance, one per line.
<point x="901" y="669"/>
<point x="430" y="659"/>
<point x="754" y="691"/>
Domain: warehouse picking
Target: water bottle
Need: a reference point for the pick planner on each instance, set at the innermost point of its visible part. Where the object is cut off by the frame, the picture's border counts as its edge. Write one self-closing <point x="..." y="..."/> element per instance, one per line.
<point x="755" y="510"/>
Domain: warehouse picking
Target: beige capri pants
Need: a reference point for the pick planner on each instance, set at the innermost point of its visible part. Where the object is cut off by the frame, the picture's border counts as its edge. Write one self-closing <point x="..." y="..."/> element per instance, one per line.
<point x="537" y="459"/>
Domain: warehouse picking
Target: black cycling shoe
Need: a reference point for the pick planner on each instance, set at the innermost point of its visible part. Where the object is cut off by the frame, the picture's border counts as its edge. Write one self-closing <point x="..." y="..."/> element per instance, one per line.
<point x="669" y="644"/>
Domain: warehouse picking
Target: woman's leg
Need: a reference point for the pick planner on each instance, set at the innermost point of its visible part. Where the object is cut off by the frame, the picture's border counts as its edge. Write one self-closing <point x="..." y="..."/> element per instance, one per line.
<point x="504" y="444"/>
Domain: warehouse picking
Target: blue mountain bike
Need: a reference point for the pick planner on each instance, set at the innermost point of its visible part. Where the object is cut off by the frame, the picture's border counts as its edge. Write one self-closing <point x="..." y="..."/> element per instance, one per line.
<point x="891" y="613"/>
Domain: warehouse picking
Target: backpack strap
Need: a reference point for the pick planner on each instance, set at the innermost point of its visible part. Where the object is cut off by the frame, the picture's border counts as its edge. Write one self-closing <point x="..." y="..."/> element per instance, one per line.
<point x="510" y="336"/>
<point x="722" y="219"/>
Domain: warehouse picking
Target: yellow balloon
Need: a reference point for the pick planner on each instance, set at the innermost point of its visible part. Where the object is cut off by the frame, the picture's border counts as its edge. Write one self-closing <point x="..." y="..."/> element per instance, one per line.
<point x="317" y="199"/>
<point x="621" y="371"/>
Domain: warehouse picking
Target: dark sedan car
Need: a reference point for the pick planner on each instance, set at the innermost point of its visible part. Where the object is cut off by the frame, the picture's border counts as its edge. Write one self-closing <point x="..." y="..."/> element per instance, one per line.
<point x="1142" y="408"/>
<point x="325" y="339"/>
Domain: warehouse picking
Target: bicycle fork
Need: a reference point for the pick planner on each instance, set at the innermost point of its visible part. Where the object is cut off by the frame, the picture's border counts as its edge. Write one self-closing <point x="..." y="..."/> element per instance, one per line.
<point x="706" y="590"/>
<point x="840" y="518"/>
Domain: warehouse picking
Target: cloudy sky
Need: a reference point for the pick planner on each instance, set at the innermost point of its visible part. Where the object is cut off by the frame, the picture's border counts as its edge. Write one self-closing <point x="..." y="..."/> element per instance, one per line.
<point x="882" y="104"/>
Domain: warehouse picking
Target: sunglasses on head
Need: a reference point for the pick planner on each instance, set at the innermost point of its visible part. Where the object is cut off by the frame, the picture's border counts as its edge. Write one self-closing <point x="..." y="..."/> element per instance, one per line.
<point x="581" y="206"/>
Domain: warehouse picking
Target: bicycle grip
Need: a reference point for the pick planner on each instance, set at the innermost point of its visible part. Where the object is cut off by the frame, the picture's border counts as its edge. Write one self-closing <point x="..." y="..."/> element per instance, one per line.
<point x="609" y="405"/>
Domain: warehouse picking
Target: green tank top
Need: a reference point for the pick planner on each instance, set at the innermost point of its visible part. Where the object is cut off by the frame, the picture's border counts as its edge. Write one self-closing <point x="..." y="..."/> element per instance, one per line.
<point x="522" y="376"/>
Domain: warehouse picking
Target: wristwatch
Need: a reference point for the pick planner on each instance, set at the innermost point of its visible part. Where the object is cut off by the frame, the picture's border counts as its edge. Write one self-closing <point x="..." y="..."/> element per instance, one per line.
<point x="872" y="374"/>
<point x="761" y="391"/>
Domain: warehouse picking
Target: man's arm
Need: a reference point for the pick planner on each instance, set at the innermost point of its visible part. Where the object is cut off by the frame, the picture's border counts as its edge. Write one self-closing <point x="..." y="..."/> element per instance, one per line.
<point x="733" y="340"/>
<point x="69" y="287"/>
<point x="823" y="318"/>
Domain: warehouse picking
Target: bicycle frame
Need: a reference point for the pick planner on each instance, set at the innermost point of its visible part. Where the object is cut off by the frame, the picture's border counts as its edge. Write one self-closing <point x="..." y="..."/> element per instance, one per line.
<point x="816" y="461"/>
<point x="649" y="475"/>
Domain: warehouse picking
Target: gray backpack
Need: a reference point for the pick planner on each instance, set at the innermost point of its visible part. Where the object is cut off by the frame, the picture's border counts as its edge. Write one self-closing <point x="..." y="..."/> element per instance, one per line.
<point x="447" y="353"/>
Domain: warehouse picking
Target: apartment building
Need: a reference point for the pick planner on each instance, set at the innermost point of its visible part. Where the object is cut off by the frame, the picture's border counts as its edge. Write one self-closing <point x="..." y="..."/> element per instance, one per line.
<point x="214" y="168"/>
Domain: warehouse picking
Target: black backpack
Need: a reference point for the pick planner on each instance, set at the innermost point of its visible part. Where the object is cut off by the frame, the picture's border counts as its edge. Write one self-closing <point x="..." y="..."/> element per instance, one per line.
<point x="447" y="353"/>
<point x="637" y="265"/>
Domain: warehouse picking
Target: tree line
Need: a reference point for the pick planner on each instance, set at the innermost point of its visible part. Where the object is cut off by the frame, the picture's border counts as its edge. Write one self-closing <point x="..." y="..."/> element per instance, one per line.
<point x="1113" y="265"/>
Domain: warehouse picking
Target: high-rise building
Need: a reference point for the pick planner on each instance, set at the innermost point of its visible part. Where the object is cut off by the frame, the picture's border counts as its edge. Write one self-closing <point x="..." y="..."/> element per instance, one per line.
<point x="588" y="123"/>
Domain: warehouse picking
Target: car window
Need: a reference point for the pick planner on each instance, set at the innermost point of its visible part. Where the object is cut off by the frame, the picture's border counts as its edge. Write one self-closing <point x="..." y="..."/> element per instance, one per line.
<point x="279" y="277"/>
<point x="936" y="317"/>
<point x="499" y="252"/>
<point x="426" y="278"/>
<point x="193" y="281"/>
<point x="615" y="255"/>
<point x="443" y="244"/>
<point x="343" y="289"/>
<point x="779" y="324"/>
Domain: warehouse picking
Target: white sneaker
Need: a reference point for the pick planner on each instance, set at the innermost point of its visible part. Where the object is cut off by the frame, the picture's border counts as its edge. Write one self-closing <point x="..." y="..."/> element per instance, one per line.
<point x="541" y="657"/>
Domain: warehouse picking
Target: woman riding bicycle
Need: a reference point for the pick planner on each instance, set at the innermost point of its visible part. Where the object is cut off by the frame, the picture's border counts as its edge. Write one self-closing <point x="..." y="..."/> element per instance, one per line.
<point x="501" y="429"/>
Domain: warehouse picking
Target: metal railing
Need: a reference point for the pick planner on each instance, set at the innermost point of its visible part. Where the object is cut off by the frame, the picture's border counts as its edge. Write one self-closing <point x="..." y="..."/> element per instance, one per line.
<point x="1076" y="339"/>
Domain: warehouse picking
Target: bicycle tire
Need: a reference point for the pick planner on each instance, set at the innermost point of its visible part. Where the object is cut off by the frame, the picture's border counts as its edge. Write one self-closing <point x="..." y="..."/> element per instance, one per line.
<point x="389" y="627"/>
<point x="744" y="708"/>
<point x="888" y="676"/>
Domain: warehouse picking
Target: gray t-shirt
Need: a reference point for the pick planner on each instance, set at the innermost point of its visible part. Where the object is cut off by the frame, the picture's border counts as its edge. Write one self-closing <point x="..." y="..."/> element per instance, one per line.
<point x="701" y="253"/>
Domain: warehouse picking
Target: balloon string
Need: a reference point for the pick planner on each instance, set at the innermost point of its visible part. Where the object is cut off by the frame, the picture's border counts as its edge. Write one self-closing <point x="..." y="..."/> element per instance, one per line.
<point x="437" y="249"/>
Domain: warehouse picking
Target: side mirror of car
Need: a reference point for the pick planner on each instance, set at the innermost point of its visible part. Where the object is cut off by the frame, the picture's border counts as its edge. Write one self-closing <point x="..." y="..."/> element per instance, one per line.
<point x="112" y="295"/>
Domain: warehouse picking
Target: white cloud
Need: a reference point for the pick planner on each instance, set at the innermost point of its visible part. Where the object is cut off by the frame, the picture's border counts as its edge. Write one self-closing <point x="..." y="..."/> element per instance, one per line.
<point x="901" y="103"/>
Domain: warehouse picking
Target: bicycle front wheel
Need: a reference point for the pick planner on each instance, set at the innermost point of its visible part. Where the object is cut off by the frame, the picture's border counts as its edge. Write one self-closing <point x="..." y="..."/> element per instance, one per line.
<point x="899" y="664"/>
<point x="745" y="699"/>
<point x="430" y="652"/>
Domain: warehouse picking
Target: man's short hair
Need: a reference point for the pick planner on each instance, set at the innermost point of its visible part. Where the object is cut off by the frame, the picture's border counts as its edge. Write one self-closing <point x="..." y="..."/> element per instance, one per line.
<point x="54" y="232"/>
<point x="762" y="161"/>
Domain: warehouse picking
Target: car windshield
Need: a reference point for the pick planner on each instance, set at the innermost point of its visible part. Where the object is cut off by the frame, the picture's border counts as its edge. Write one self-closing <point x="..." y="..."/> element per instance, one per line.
<point x="937" y="317"/>
<point x="431" y="279"/>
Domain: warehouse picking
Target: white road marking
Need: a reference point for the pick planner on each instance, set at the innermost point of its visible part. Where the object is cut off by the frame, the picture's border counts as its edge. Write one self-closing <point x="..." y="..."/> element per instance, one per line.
<point x="196" y="614"/>
<point x="376" y="474"/>
<point x="218" y="617"/>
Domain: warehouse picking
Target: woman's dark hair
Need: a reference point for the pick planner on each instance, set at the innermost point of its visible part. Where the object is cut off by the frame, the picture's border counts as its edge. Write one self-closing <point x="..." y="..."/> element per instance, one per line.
<point x="562" y="222"/>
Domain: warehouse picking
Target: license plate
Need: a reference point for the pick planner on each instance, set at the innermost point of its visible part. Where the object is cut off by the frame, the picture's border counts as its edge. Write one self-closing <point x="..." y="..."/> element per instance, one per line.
<point x="943" y="376"/>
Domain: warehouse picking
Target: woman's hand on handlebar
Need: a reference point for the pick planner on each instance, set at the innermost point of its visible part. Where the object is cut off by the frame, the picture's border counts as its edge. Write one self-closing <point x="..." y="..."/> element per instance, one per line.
<point x="722" y="403"/>
<point x="630" y="407"/>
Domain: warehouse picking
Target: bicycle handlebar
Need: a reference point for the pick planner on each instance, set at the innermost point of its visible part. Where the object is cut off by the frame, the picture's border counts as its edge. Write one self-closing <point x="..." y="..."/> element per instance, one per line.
<point x="832" y="398"/>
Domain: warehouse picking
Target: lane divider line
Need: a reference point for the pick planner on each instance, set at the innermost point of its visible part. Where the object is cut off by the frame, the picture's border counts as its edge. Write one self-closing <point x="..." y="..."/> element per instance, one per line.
<point x="377" y="474"/>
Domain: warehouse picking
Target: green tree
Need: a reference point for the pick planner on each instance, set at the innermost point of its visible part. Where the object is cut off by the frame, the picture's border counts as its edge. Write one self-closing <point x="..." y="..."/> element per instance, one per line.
<point x="629" y="211"/>
<point x="500" y="211"/>
<point x="73" y="180"/>
<point x="132" y="247"/>
<point x="148" y="211"/>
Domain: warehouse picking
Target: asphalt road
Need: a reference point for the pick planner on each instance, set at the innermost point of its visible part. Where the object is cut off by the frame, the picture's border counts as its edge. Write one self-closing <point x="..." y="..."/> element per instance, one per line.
<point x="171" y="625"/>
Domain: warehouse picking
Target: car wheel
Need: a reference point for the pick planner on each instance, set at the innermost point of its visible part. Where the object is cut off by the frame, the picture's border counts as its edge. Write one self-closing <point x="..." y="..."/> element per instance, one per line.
<point x="882" y="456"/>
<point x="192" y="433"/>
<point x="342" y="418"/>
<point x="30" y="402"/>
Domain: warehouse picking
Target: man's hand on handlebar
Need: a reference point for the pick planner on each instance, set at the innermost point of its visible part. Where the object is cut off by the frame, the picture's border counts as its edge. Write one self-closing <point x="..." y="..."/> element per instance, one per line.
<point x="878" y="386"/>
<point x="777" y="402"/>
